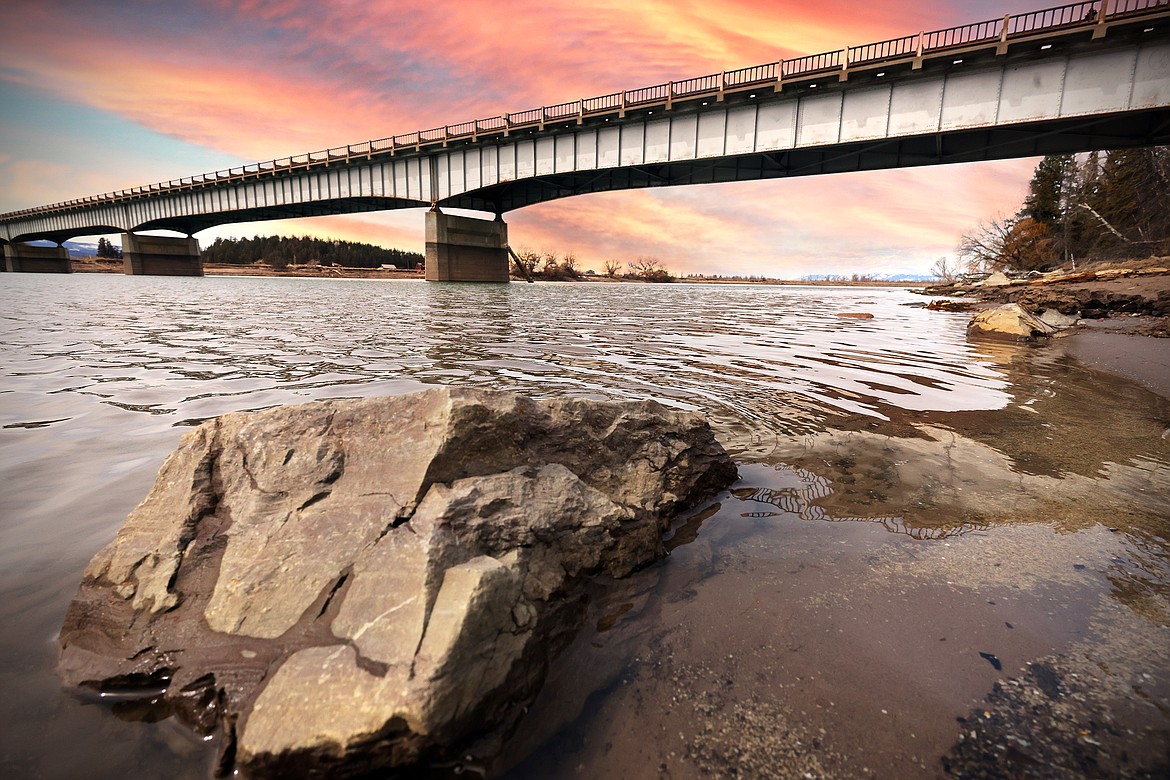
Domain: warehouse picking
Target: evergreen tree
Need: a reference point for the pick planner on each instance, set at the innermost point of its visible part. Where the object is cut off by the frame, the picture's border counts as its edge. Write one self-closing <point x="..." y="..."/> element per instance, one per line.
<point x="284" y="250"/>
<point x="1094" y="206"/>
<point x="1047" y="192"/>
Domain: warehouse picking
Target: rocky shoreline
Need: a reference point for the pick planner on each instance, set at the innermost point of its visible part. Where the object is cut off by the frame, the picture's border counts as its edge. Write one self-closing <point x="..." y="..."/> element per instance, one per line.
<point x="1139" y="288"/>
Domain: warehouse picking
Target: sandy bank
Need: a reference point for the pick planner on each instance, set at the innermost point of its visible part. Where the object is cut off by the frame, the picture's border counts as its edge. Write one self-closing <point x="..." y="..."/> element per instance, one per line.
<point x="1114" y="347"/>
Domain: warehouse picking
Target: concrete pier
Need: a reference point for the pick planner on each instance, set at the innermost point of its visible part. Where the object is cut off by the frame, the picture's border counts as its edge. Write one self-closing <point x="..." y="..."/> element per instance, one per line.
<point x="161" y="256"/>
<point x="463" y="249"/>
<point x="24" y="258"/>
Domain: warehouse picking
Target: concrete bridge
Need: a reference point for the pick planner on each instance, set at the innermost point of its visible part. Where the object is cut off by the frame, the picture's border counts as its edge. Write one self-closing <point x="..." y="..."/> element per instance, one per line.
<point x="1078" y="77"/>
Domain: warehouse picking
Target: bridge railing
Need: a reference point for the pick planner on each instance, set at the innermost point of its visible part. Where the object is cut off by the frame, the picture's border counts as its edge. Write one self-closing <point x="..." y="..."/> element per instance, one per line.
<point x="1119" y="8"/>
<point x="491" y="124"/>
<point x="602" y="103"/>
<point x="461" y="129"/>
<point x="697" y="85"/>
<point x="963" y="35"/>
<point x="656" y="94"/>
<point x="1069" y="16"/>
<point x="406" y="139"/>
<point x="563" y="110"/>
<point x="895" y="47"/>
<point x="1049" y="18"/>
<point x="753" y="75"/>
<point x="812" y="63"/>
<point x="531" y="116"/>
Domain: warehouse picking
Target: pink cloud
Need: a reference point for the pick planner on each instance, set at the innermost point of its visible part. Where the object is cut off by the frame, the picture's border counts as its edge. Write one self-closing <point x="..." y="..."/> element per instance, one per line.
<point x="266" y="78"/>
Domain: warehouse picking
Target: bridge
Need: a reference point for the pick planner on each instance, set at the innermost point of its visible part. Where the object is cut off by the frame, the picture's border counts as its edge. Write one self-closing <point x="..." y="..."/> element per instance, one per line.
<point x="1079" y="77"/>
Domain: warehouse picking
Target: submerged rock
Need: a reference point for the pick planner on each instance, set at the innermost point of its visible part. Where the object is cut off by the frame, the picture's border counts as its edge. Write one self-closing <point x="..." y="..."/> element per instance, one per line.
<point x="348" y="585"/>
<point x="1009" y="321"/>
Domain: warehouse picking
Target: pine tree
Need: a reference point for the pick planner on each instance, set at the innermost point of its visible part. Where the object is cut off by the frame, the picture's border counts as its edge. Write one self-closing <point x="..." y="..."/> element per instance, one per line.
<point x="1048" y="190"/>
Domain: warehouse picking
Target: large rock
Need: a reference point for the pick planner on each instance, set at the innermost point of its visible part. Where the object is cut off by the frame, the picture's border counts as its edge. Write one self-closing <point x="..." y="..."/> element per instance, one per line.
<point x="348" y="585"/>
<point x="1009" y="321"/>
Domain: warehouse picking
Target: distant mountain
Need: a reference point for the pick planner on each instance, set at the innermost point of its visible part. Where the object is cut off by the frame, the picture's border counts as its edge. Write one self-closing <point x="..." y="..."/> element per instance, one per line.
<point x="887" y="277"/>
<point x="904" y="277"/>
<point x="81" y="248"/>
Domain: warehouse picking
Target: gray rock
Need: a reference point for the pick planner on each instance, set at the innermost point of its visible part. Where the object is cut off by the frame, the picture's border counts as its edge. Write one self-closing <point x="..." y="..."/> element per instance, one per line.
<point x="1056" y="319"/>
<point x="348" y="585"/>
<point x="1009" y="321"/>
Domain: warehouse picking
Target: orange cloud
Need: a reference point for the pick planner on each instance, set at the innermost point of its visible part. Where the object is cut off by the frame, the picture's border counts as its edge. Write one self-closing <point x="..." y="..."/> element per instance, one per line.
<point x="261" y="79"/>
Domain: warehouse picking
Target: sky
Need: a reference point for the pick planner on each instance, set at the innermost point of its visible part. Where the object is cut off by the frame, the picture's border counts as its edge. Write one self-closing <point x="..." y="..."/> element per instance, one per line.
<point x="98" y="95"/>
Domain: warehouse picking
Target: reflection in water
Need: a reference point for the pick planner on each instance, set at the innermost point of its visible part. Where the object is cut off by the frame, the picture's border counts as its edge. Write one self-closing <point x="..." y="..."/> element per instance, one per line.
<point x="799" y="500"/>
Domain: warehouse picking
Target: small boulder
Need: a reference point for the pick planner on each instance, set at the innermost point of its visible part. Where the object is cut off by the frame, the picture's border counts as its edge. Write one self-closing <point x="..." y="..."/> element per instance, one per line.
<point x="353" y="585"/>
<point x="997" y="279"/>
<point x="1009" y="321"/>
<point x="1057" y="320"/>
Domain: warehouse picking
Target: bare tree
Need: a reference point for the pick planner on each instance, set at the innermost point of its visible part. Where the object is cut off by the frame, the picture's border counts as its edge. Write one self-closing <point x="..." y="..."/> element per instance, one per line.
<point x="983" y="247"/>
<point x="612" y="267"/>
<point x="550" y="262"/>
<point x="946" y="271"/>
<point x="650" y="269"/>
<point x="644" y="265"/>
<point x="528" y="260"/>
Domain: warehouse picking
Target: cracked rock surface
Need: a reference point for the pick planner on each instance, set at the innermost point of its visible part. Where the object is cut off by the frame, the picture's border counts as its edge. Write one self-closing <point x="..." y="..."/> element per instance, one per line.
<point x="352" y="585"/>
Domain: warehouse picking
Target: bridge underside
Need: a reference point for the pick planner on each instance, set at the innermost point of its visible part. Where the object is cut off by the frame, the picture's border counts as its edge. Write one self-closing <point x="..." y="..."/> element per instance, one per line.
<point x="189" y="225"/>
<point x="1033" y="139"/>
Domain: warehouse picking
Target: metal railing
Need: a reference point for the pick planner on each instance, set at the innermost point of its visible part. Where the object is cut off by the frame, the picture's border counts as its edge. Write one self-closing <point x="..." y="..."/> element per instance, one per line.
<point x="563" y="110"/>
<point x="754" y="75"/>
<point x="1050" y="18"/>
<point x="602" y="103"/>
<point x="812" y="63"/>
<point x="696" y="85"/>
<point x="1070" y="16"/>
<point x="895" y="47"/>
<point x="963" y="35"/>
<point x="655" y="94"/>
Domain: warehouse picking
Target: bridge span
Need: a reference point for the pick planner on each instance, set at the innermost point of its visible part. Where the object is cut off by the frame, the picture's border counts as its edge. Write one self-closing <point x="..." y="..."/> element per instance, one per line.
<point x="1079" y="77"/>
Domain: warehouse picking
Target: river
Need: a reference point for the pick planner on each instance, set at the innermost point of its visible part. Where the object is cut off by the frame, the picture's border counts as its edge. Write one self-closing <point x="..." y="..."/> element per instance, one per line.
<point x="918" y="516"/>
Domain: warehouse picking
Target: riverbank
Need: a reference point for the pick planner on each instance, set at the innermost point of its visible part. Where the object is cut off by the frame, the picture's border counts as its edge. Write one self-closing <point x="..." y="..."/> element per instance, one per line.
<point x="1092" y="292"/>
<point x="1122" y="313"/>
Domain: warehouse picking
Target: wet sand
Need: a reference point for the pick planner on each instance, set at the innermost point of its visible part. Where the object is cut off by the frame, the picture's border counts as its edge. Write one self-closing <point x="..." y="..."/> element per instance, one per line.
<point x="1110" y="346"/>
<point x="968" y="594"/>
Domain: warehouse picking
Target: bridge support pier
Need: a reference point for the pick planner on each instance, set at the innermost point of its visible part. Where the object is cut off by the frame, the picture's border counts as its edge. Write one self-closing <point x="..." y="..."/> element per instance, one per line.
<point x="160" y="256"/>
<point x="24" y="258"/>
<point x="462" y="249"/>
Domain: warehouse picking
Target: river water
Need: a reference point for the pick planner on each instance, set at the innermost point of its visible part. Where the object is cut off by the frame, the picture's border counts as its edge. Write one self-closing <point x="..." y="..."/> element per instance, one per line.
<point x="917" y="518"/>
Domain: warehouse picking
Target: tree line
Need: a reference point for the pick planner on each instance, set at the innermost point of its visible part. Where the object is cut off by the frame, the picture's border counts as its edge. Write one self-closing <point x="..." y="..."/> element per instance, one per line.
<point x="283" y="251"/>
<point x="107" y="250"/>
<point x="548" y="266"/>
<point x="1095" y="206"/>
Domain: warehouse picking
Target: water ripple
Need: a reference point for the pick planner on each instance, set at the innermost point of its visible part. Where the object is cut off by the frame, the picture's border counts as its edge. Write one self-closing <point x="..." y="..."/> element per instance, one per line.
<point x="771" y="360"/>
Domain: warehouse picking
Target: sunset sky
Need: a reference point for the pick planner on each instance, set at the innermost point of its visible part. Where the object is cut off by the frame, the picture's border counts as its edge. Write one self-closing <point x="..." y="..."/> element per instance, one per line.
<point x="99" y="95"/>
